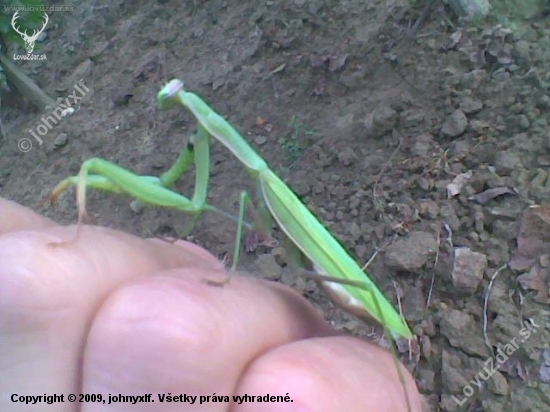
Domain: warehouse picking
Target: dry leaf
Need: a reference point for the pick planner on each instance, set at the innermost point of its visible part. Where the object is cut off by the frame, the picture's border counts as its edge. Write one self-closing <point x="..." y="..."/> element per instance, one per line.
<point x="279" y="68"/>
<point x="454" y="40"/>
<point x="490" y="194"/>
<point x="458" y="183"/>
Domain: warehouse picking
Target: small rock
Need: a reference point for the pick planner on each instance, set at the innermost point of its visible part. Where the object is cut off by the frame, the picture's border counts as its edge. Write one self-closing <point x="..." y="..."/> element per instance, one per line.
<point x="355" y="231"/>
<point x="361" y="251"/>
<point x="470" y="106"/>
<point x="495" y="404"/>
<point x="424" y="183"/>
<point x="449" y="216"/>
<point x="501" y="74"/>
<point x="260" y="140"/>
<point x="523" y="49"/>
<point x="462" y="332"/>
<point x="414" y="304"/>
<point x="391" y="57"/>
<point x="544" y="370"/>
<point x="452" y="377"/>
<point x="428" y="209"/>
<point x="479" y="126"/>
<point x="409" y="118"/>
<point x="412" y="252"/>
<point x="381" y="121"/>
<point x="523" y="122"/>
<point x="427" y="380"/>
<point x="61" y="140"/>
<point x="318" y="187"/>
<point x="426" y="346"/>
<point x="268" y="267"/>
<point x="544" y="102"/>
<point x="347" y="156"/>
<point x="506" y="161"/>
<point x="498" y="384"/>
<point x="346" y="121"/>
<point x="280" y="255"/>
<point x="535" y="280"/>
<point x="468" y="269"/>
<point x="469" y="9"/>
<point x="428" y="326"/>
<point x="540" y="179"/>
<point x="455" y="124"/>
<point x="543" y="161"/>
<point x="300" y="184"/>
<point x="422" y="144"/>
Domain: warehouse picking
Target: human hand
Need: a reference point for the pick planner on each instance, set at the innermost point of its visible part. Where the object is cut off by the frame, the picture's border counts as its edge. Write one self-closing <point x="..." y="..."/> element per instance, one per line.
<point x="113" y="314"/>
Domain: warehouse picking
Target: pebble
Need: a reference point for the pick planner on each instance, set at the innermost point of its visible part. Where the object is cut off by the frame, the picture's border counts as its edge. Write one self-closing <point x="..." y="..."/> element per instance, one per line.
<point x="411" y="253"/>
<point x="463" y="332"/>
<point x="498" y="384"/>
<point x="507" y="161"/>
<point x="468" y="269"/>
<point x="260" y="140"/>
<point x="470" y="105"/>
<point x="523" y="122"/>
<point x="347" y="156"/>
<point x="455" y="124"/>
<point x="61" y="140"/>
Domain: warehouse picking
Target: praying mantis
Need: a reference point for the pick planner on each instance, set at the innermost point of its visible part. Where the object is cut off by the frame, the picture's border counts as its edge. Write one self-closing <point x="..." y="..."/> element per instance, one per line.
<point x="343" y="279"/>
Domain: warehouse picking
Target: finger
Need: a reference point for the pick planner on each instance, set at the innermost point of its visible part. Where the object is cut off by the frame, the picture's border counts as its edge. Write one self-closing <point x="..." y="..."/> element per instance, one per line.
<point x="49" y="294"/>
<point x="15" y="217"/>
<point x="176" y="334"/>
<point x="195" y="249"/>
<point x="328" y="374"/>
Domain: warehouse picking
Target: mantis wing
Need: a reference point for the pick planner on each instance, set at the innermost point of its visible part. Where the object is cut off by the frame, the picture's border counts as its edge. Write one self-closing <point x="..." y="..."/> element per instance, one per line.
<point x="328" y="255"/>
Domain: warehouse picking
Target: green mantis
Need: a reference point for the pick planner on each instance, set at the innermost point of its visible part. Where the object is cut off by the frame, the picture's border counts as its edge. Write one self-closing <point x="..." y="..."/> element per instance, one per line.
<point x="340" y="275"/>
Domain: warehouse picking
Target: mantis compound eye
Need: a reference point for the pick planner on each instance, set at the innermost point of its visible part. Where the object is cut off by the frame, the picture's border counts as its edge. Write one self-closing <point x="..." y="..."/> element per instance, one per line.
<point x="167" y="97"/>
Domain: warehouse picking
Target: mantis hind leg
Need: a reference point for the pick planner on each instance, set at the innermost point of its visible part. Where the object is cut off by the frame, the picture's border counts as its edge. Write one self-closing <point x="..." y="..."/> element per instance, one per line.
<point x="262" y="219"/>
<point x="245" y="200"/>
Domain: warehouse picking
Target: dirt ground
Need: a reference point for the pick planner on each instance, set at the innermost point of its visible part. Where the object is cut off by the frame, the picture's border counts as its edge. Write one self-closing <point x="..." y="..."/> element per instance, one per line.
<point x="425" y="145"/>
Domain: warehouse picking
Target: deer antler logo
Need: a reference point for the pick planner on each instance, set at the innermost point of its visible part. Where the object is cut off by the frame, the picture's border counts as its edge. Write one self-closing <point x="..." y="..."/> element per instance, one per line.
<point x="29" y="40"/>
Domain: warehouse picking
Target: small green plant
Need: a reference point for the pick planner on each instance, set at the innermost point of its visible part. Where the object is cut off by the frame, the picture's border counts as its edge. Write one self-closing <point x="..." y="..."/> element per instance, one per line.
<point x="298" y="141"/>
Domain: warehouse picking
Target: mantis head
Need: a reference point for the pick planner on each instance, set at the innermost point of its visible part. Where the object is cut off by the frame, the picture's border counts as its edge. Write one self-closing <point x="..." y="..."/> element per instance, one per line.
<point x="169" y="94"/>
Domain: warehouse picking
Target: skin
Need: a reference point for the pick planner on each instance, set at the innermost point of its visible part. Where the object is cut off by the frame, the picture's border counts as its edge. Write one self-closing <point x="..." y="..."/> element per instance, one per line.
<point x="114" y="314"/>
